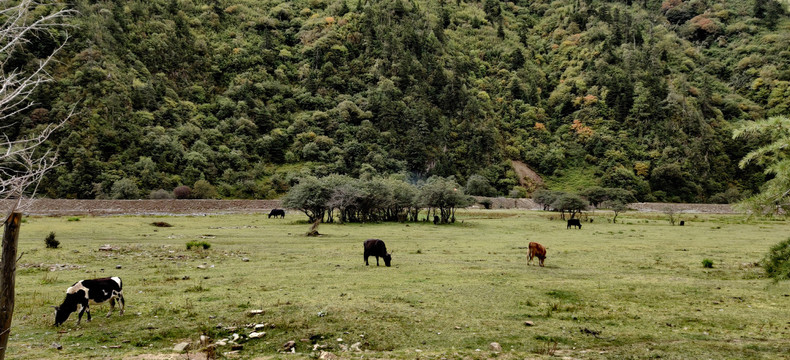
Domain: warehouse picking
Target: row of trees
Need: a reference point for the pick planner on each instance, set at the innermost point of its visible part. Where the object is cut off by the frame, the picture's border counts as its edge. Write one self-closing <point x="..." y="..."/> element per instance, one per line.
<point x="376" y="199"/>
<point x="616" y="199"/>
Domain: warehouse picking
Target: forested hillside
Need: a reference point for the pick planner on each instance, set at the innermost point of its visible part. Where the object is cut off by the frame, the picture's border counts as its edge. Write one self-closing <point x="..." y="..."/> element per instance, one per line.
<point x="248" y="95"/>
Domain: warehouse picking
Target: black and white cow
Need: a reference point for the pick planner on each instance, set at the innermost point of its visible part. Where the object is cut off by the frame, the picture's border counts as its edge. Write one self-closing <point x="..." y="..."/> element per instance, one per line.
<point x="84" y="292"/>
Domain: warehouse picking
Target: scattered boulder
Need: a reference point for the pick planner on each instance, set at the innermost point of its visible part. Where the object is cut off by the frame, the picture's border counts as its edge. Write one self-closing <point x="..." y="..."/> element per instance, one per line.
<point x="529" y="323"/>
<point x="118" y="266"/>
<point x="255" y="335"/>
<point x="107" y="247"/>
<point x="356" y="347"/>
<point x="256" y="312"/>
<point x="245" y="259"/>
<point x="57" y="346"/>
<point x="326" y="355"/>
<point x="495" y="347"/>
<point x="201" y="266"/>
<point x="181" y="347"/>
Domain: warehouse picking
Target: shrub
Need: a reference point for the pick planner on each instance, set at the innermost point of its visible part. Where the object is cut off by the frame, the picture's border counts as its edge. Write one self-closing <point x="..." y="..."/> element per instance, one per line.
<point x="204" y="190"/>
<point x="161" y="224"/>
<point x="51" y="242"/>
<point x="73" y="218"/>
<point x="125" y="189"/>
<point x="160" y="194"/>
<point x="198" y="244"/>
<point x="182" y="192"/>
<point x="777" y="262"/>
<point x="707" y="263"/>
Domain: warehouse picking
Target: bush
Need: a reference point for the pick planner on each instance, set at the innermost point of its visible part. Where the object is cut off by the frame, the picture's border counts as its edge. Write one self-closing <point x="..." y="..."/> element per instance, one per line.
<point x="160" y="194"/>
<point x="125" y="189"/>
<point x="518" y="192"/>
<point x="73" y="218"/>
<point x="204" y="190"/>
<point x="182" y="192"/>
<point x="707" y="263"/>
<point x="777" y="262"/>
<point x="51" y="242"/>
<point x="198" y="244"/>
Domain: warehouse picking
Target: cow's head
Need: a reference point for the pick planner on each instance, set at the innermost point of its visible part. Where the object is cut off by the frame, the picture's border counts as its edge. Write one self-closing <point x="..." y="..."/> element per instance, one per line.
<point x="387" y="259"/>
<point x="61" y="315"/>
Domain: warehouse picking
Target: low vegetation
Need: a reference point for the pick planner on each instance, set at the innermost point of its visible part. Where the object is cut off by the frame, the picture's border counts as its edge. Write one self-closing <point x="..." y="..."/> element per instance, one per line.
<point x="634" y="289"/>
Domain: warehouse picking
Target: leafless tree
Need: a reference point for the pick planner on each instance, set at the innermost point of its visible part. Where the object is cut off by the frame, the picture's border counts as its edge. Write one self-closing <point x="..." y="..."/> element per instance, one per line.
<point x="22" y="163"/>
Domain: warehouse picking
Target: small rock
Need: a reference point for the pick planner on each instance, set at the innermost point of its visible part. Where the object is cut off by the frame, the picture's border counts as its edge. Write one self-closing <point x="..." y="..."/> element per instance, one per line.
<point x="326" y="355"/>
<point x="57" y="346"/>
<point x="107" y="247"/>
<point x="203" y="340"/>
<point x="529" y="323"/>
<point x="180" y="347"/>
<point x="289" y="345"/>
<point x="260" y="326"/>
<point x="457" y="328"/>
<point x="117" y="266"/>
<point x="201" y="266"/>
<point x="234" y="337"/>
<point x="255" y="335"/>
<point x="304" y="340"/>
<point x="221" y="343"/>
<point x="356" y="347"/>
<point x="256" y="312"/>
<point x="495" y="347"/>
<point x="245" y="259"/>
<point x="339" y="339"/>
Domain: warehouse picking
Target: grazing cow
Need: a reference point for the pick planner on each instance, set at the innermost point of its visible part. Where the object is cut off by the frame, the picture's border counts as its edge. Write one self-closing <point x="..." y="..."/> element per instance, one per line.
<point x="436" y="220"/>
<point x="682" y="223"/>
<point x="276" y="213"/>
<point x="84" y="292"/>
<point x="536" y="250"/>
<point x="376" y="247"/>
<point x="574" y="222"/>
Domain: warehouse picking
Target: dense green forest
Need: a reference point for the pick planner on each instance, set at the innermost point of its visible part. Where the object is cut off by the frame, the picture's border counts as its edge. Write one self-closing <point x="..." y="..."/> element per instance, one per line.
<point x="248" y="96"/>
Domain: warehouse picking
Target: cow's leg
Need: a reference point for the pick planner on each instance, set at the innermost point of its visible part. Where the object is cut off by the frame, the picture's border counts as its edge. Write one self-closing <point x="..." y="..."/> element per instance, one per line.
<point x="366" y="260"/>
<point x="377" y="261"/>
<point x="88" y="310"/>
<point x="541" y="261"/>
<point x="82" y="311"/>
<point x="112" y="307"/>
<point x="123" y="303"/>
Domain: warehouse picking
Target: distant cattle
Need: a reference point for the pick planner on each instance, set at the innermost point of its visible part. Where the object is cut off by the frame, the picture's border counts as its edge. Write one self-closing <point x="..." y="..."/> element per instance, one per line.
<point x="574" y="222"/>
<point x="682" y="223"/>
<point x="536" y="250"/>
<point x="436" y="220"/>
<point x="276" y="213"/>
<point x="84" y="292"/>
<point x="376" y="247"/>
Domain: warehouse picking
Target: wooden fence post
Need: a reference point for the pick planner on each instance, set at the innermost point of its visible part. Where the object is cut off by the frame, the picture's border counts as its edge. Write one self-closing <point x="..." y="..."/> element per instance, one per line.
<point x="8" y="278"/>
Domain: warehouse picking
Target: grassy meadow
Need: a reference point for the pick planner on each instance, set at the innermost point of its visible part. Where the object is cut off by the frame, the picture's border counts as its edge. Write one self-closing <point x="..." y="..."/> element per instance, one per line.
<point x="635" y="289"/>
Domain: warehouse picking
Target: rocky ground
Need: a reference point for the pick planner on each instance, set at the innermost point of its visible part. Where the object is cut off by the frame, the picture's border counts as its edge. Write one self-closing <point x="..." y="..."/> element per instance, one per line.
<point x="69" y="207"/>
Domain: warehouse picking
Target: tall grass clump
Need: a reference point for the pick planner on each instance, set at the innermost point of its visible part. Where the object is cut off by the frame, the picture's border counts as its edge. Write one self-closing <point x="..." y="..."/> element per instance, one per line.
<point x="198" y="244"/>
<point x="51" y="242"/>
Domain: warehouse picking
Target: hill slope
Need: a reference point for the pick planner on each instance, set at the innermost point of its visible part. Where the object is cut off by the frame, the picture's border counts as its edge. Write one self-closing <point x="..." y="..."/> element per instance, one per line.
<point x="249" y="94"/>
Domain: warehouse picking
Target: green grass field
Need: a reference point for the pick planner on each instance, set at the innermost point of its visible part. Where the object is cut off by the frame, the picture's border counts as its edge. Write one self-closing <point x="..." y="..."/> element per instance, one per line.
<point x="635" y="289"/>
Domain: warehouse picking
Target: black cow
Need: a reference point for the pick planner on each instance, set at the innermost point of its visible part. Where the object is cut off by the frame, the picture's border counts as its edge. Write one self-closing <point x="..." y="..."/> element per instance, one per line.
<point x="376" y="247"/>
<point x="276" y="213"/>
<point x="682" y="223"/>
<point x="84" y="292"/>
<point x="574" y="222"/>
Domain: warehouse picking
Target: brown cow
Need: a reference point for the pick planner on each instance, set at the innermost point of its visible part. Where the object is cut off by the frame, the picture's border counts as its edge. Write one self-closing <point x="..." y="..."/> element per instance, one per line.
<point x="536" y="250"/>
